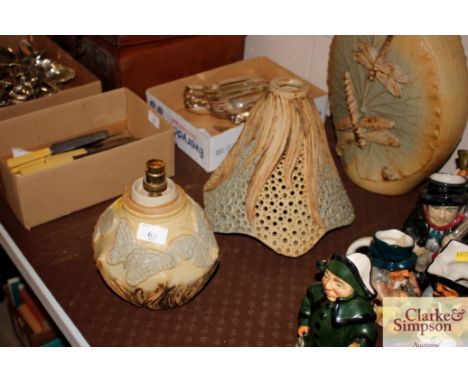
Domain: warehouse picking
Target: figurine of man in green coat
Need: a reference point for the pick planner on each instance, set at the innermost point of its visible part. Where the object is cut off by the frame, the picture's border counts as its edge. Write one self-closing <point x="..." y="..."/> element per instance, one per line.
<point x="338" y="311"/>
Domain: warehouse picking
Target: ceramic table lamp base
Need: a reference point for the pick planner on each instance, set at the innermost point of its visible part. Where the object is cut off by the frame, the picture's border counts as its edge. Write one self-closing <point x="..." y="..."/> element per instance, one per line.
<point x="279" y="182"/>
<point x="155" y="251"/>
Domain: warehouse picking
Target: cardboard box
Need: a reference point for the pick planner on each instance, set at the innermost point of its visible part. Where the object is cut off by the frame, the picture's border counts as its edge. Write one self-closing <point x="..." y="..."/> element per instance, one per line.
<point x="196" y="134"/>
<point x="24" y="334"/>
<point x="84" y="84"/>
<point x="50" y="193"/>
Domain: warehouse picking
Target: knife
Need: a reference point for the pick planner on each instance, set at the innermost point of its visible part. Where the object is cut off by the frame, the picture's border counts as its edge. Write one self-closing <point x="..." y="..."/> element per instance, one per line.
<point x="106" y="145"/>
<point x="69" y="156"/>
<point x="59" y="147"/>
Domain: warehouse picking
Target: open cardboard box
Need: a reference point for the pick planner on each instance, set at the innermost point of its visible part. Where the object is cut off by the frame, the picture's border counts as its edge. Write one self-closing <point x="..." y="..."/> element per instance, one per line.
<point x="84" y="84"/>
<point x="24" y="334"/>
<point x="50" y="193"/>
<point x="201" y="136"/>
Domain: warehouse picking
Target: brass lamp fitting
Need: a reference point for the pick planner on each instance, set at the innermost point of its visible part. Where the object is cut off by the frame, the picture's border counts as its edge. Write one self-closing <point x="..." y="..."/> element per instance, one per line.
<point x="155" y="177"/>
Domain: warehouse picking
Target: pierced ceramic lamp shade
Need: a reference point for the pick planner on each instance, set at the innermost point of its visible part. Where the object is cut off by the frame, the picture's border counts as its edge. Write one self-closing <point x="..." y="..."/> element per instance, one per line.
<point x="279" y="182"/>
<point x="154" y="246"/>
<point x="399" y="106"/>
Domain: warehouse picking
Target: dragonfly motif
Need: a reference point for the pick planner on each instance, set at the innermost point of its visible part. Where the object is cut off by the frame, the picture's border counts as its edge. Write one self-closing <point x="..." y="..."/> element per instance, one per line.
<point x="368" y="129"/>
<point x="388" y="74"/>
<point x="362" y="129"/>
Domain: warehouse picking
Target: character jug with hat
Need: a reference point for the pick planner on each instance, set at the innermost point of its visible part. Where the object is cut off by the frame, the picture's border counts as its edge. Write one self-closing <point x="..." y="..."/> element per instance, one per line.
<point x="438" y="218"/>
<point x="449" y="271"/>
<point x="393" y="260"/>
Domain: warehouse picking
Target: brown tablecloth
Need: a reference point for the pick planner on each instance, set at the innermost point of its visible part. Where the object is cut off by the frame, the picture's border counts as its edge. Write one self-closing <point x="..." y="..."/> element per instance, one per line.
<point x="252" y="299"/>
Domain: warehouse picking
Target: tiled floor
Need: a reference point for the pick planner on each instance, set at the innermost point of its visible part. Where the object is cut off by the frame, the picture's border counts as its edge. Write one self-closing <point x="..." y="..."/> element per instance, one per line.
<point x="7" y="335"/>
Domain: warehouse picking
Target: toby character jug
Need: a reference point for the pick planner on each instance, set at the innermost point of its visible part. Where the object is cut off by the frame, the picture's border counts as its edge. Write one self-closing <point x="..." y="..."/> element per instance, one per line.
<point x="393" y="260"/>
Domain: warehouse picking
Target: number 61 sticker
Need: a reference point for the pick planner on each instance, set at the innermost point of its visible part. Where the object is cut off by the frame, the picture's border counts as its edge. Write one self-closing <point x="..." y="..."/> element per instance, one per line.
<point x="152" y="233"/>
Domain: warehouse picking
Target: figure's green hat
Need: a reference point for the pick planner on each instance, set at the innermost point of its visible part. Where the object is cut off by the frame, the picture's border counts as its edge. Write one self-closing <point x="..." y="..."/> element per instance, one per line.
<point x="354" y="269"/>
